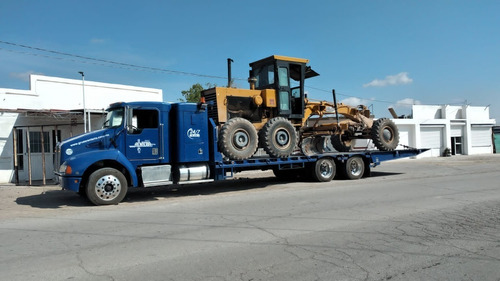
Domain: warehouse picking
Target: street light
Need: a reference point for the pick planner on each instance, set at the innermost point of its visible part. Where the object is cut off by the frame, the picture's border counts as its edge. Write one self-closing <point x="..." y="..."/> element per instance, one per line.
<point x="84" y="109"/>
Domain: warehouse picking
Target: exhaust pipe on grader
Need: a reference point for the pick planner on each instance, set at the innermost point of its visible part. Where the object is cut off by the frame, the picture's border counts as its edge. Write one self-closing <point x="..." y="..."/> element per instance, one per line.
<point x="276" y="115"/>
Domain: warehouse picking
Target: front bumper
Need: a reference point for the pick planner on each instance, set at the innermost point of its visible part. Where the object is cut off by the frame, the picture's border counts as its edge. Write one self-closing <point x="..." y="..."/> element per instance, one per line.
<point x="70" y="183"/>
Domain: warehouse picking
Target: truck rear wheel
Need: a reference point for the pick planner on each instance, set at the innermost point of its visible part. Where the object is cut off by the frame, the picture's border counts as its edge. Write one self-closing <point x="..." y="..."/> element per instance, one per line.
<point x="106" y="186"/>
<point x="278" y="137"/>
<point x="324" y="170"/>
<point x="385" y="134"/>
<point x="238" y="139"/>
<point x="354" y="168"/>
<point x="341" y="143"/>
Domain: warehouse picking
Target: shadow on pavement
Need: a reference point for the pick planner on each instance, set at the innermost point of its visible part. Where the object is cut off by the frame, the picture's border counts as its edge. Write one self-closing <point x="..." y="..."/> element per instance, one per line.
<point x="60" y="198"/>
<point x="55" y="199"/>
<point x="187" y="190"/>
<point x="375" y="174"/>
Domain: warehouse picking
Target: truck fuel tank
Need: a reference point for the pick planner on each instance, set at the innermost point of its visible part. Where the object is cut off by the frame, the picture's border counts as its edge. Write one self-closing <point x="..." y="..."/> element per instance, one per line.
<point x="193" y="173"/>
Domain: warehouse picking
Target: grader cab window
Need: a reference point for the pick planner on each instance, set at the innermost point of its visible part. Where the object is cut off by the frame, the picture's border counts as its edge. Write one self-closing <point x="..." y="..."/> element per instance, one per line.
<point x="265" y="76"/>
<point x="283" y="77"/>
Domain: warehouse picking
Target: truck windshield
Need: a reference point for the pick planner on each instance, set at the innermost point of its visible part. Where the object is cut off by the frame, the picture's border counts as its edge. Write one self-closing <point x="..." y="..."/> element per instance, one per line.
<point x="114" y="118"/>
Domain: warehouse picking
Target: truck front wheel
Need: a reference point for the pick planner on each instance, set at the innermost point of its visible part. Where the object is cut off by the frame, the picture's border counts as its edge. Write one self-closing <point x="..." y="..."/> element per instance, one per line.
<point x="106" y="186"/>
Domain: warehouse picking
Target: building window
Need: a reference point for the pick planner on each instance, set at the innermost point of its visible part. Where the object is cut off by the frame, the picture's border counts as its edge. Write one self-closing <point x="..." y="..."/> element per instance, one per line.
<point x="36" y="142"/>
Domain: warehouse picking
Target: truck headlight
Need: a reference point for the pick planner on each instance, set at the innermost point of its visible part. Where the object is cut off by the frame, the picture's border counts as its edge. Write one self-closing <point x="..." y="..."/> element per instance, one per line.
<point x="65" y="169"/>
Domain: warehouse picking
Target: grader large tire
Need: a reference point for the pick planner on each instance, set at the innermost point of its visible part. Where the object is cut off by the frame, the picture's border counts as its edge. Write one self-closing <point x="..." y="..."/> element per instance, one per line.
<point x="340" y="143"/>
<point x="385" y="134"/>
<point x="278" y="137"/>
<point x="238" y="139"/>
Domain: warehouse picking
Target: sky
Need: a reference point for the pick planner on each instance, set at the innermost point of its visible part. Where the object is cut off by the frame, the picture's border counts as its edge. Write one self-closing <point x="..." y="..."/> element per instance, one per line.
<point x="378" y="53"/>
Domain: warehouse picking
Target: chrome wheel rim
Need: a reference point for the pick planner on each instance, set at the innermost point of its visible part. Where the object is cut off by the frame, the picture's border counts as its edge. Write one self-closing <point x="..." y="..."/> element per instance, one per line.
<point x="108" y="187"/>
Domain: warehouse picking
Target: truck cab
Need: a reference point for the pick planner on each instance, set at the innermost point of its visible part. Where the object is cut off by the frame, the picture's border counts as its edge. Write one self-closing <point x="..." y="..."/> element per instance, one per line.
<point x="141" y="144"/>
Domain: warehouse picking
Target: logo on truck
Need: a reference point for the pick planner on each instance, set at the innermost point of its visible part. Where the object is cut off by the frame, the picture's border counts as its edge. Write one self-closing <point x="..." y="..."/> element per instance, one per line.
<point x="140" y="144"/>
<point x="192" y="133"/>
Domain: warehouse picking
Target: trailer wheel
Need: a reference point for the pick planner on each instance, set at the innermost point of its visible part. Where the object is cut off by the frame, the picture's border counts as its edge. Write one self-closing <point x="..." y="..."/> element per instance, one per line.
<point x="324" y="170"/>
<point x="278" y="137"/>
<point x="106" y="186"/>
<point x="354" y="168"/>
<point x="385" y="134"/>
<point x="238" y="139"/>
<point x="341" y="143"/>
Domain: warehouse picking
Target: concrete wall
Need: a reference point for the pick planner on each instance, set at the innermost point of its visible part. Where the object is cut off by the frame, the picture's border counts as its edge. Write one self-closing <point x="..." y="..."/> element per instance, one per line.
<point x="67" y="94"/>
<point x="467" y="128"/>
<point x="33" y="111"/>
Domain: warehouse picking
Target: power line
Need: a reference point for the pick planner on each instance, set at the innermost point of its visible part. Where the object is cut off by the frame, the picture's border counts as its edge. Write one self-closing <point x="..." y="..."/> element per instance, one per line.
<point x="128" y="66"/>
<point x="103" y="61"/>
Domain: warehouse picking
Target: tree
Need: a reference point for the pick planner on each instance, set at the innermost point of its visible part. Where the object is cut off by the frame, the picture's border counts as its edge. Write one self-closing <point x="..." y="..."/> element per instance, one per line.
<point x="194" y="93"/>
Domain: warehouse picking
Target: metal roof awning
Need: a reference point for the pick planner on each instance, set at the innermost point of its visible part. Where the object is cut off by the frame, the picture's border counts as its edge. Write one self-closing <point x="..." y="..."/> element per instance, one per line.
<point x="55" y="113"/>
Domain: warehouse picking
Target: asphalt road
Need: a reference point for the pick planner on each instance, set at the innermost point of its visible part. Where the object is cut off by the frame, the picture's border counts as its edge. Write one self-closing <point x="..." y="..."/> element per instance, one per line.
<point x="427" y="219"/>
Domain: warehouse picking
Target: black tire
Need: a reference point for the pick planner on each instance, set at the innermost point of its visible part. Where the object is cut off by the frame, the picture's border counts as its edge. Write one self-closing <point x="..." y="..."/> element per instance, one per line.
<point x="354" y="168"/>
<point x="341" y="143"/>
<point x="278" y="137"/>
<point x="385" y="134"/>
<point x="238" y="139"/>
<point x="106" y="186"/>
<point x="324" y="170"/>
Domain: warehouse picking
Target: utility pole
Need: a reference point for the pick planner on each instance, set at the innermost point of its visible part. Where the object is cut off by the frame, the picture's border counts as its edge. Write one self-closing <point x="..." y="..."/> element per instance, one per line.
<point x="84" y="109"/>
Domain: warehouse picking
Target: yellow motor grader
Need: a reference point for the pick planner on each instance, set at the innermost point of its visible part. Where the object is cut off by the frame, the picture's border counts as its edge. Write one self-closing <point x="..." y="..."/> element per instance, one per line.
<point x="275" y="114"/>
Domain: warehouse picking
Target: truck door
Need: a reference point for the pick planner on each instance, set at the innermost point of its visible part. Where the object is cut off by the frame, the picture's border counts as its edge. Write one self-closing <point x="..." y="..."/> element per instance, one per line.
<point x="143" y="142"/>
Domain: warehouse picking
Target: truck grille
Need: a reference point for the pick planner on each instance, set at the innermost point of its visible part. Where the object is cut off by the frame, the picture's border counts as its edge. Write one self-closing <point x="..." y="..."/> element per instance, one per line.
<point x="57" y="158"/>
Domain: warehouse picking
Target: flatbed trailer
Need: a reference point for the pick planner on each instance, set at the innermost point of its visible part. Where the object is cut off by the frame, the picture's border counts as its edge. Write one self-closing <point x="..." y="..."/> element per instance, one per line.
<point x="352" y="165"/>
<point x="145" y="144"/>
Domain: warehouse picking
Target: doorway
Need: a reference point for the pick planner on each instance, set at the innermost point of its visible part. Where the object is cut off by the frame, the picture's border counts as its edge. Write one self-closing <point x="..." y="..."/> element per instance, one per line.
<point x="35" y="148"/>
<point x="456" y="146"/>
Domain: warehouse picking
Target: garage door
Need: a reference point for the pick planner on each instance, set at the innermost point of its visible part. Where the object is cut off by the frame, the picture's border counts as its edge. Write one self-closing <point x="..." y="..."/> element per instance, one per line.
<point x="432" y="138"/>
<point x="481" y="136"/>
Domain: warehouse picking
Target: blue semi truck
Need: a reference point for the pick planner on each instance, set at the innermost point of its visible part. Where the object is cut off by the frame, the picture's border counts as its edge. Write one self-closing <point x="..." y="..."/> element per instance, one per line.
<point x="145" y="144"/>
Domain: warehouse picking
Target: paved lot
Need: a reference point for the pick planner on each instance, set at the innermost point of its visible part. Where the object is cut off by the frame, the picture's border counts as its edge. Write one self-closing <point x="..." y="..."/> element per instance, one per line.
<point x="427" y="219"/>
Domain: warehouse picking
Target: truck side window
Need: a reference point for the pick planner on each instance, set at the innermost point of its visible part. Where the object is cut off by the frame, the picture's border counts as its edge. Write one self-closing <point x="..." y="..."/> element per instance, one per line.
<point x="143" y="119"/>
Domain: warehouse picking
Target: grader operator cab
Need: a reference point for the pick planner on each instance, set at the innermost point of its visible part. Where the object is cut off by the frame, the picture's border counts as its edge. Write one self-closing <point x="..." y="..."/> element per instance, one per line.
<point x="276" y="115"/>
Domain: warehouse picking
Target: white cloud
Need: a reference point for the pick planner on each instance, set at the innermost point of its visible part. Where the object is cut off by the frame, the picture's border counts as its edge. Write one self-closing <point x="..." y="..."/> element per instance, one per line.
<point x="24" y="76"/>
<point x="391" y="80"/>
<point x="354" y="101"/>
<point x="406" y="103"/>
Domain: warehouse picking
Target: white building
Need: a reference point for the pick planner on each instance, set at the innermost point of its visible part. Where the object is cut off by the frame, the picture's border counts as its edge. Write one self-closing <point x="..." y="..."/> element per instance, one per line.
<point x="50" y="111"/>
<point x="464" y="129"/>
